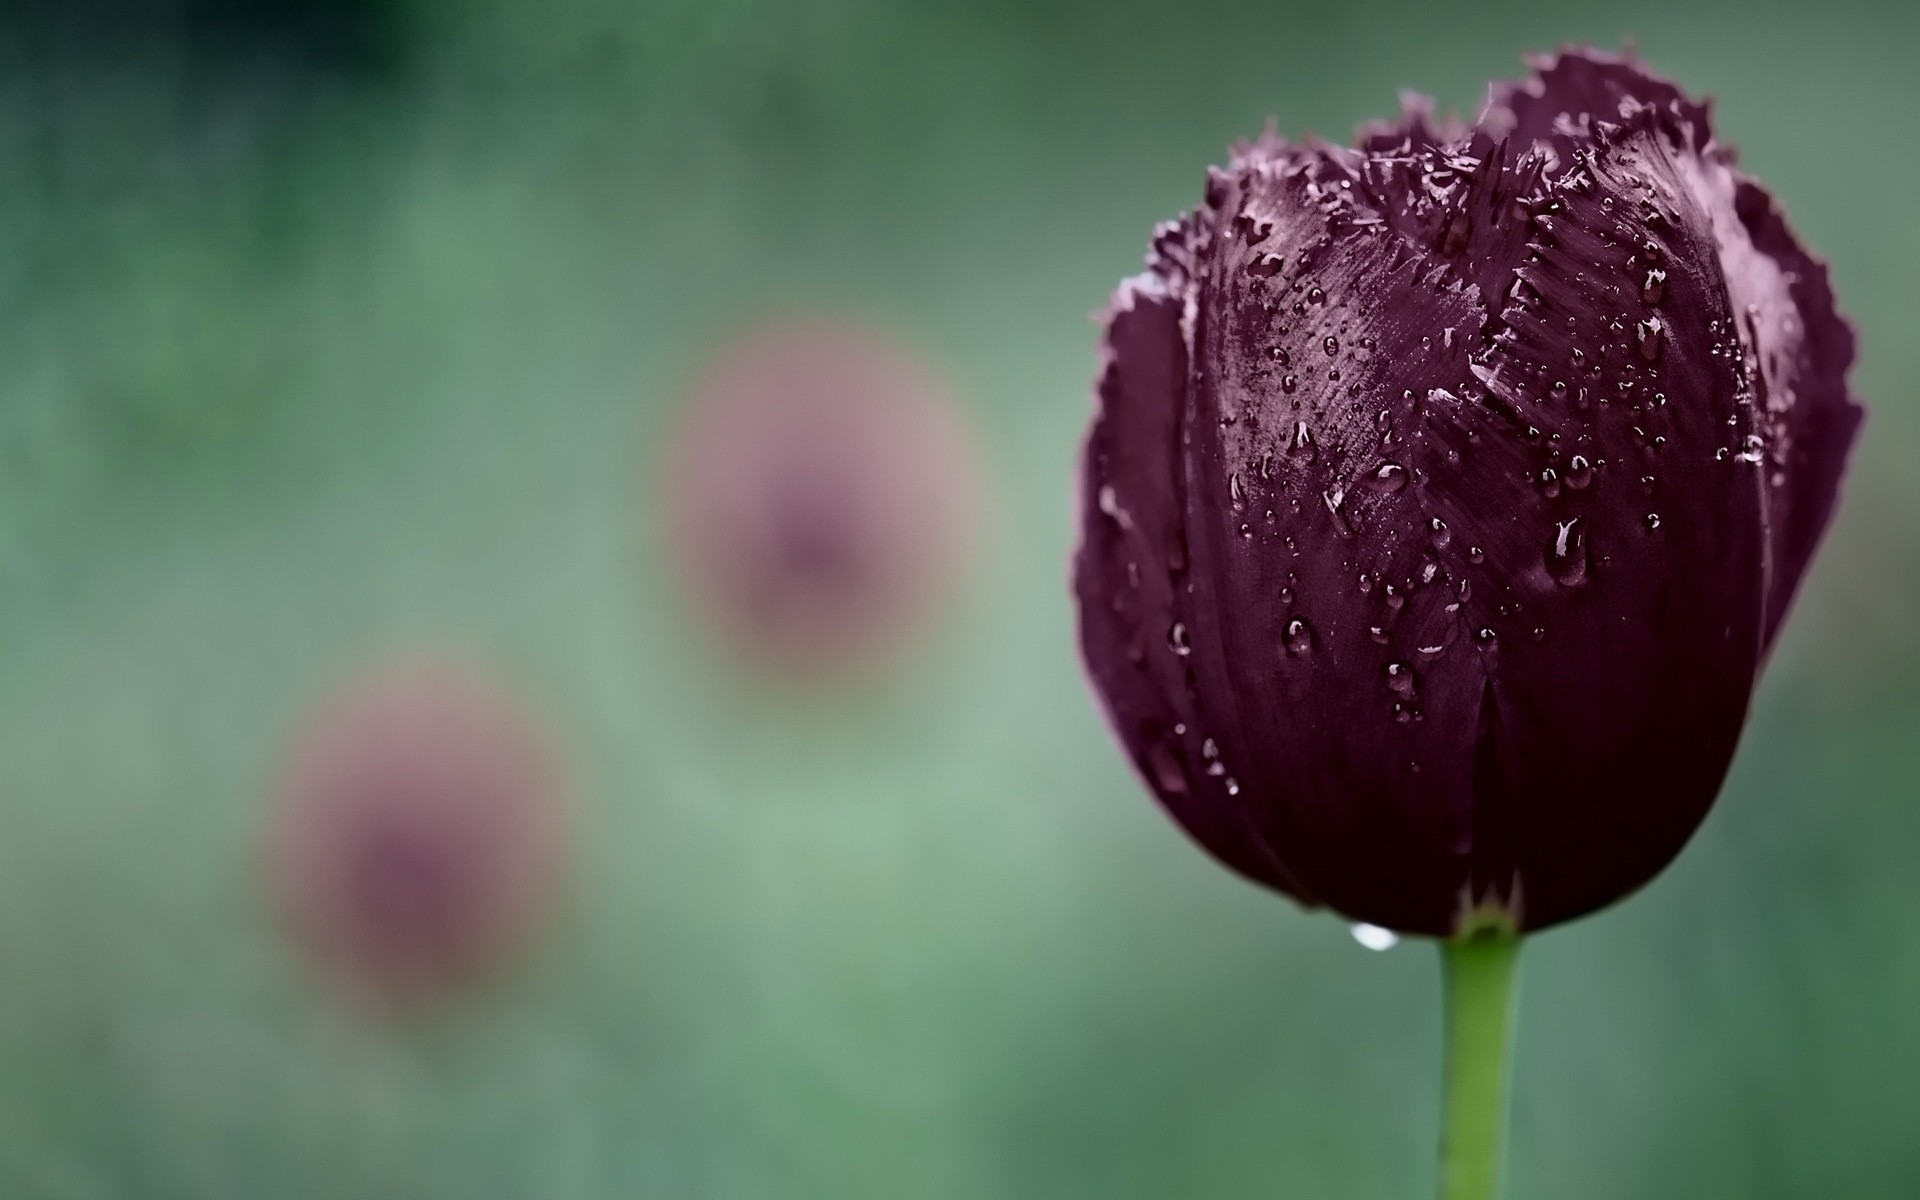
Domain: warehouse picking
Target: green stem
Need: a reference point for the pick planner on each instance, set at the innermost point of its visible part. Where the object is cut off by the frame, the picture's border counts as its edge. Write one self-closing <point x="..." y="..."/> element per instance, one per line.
<point x="1479" y="983"/>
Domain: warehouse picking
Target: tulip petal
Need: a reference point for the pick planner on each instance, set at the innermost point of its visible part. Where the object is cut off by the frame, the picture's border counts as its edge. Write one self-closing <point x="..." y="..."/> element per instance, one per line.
<point x="1799" y="350"/>
<point x="1126" y="570"/>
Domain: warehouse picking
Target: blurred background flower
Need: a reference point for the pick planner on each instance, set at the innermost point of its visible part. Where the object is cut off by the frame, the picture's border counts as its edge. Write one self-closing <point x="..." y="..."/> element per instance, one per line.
<point x="820" y="496"/>
<point x="330" y="328"/>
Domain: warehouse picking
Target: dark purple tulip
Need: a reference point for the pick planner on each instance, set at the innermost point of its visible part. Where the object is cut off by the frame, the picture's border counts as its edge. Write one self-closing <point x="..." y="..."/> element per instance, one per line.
<point x="1446" y="493"/>
<point x="418" y="832"/>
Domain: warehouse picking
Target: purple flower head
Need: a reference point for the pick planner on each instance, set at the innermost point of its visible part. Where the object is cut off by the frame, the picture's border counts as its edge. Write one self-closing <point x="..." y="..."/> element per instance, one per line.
<point x="820" y="496"/>
<point x="1446" y="493"/>
<point x="418" y="832"/>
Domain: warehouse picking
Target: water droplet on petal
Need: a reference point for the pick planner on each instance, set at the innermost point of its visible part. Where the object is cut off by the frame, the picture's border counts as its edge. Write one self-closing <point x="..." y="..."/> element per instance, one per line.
<point x="1567" y="554"/>
<point x="1302" y="443"/>
<point x="1177" y="639"/>
<point x="1654" y="286"/>
<point x="1387" y="478"/>
<point x="1164" y="763"/>
<point x="1579" y="473"/>
<point x="1299" y="638"/>
<point x="1400" y="680"/>
<point x="1647" y="335"/>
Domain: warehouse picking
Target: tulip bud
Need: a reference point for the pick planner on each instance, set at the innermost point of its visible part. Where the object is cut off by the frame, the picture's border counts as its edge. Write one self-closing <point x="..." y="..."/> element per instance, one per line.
<point x="418" y="832"/>
<point x="1445" y="494"/>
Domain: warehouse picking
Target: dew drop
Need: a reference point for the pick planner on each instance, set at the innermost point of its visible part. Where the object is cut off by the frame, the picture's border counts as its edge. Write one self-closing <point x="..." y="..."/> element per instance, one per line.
<point x="1441" y="534"/>
<point x="1400" y="680"/>
<point x="1549" y="483"/>
<point x="1567" y="554"/>
<point x="1388" y="478"/>
<point x="1476" y="555"/>
<point x="1299" y="637"/>
<point x="1335" y="499"/>
<point x="1647" y="335"/>
<point x="1177" y="639"/>
<point x="1579" y="473"/>
<point x="1654" y="286"/>
<point x="1164" y="761"/>
<point x="1266" y="266"/>
<point x="1331" y="345"/>
<point x="1653" y="522"/>
<point x="1288" y="383"/>
<point x="1302" y="443"/>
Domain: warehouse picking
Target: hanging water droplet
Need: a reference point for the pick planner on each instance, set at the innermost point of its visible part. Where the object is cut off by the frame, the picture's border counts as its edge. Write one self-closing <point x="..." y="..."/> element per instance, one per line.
<point x="1373" y="937"/>
<point x="1567" y="554"/>
<point x="1233" y="786"/>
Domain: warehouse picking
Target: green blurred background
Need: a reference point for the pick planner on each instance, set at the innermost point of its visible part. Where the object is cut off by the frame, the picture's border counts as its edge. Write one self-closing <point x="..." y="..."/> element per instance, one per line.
<point x="331" y="327"/>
